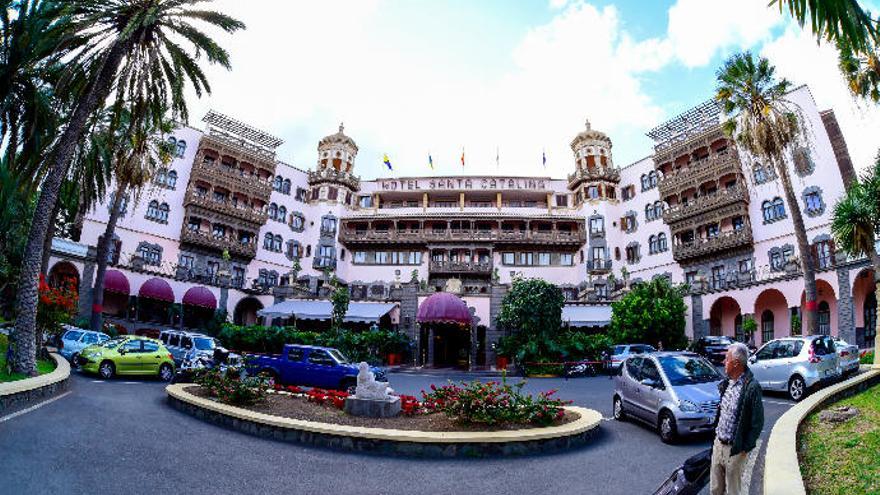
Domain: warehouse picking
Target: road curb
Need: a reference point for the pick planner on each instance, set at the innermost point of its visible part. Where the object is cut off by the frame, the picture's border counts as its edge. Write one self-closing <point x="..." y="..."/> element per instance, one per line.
<point x="782" y="470"/>
<point x="387" y="441"/>
<point x="20" y="392"/>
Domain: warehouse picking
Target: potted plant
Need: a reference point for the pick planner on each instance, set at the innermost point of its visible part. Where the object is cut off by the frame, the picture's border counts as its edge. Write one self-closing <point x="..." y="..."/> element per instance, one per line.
<point x="749" y="326"/>
<point x="223" y="274"/>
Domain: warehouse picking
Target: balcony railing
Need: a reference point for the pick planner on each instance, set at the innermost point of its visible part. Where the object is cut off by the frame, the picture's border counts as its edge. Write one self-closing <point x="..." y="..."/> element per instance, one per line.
<point x="484" y="267"/>
<point x="703" y="247"/>
<point x="704" y="203"/>
<point x="324" y="262"/>
<point x="376" y="236"/>
<point x="208" y="170"/>
<point x="599" y="173"/>
<point x="208" y="239"/>
<point x="226" y="207"/>
<point x="330" y="175"/>
<point x="599" y="265"/>
<point x="697" y="172"/>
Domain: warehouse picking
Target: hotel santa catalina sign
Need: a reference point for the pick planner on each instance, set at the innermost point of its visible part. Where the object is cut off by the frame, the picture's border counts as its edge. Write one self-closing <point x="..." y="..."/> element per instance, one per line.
<point x="465" y="184"/>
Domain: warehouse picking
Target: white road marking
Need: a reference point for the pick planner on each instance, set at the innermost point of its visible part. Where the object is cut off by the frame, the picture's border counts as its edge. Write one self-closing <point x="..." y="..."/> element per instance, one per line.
<point x="131" y="383"/>
<point x="781" y="403"/>
<point x="750" y="466"/>
<point x="32" y="408"/>
<point x="98" y="381"/>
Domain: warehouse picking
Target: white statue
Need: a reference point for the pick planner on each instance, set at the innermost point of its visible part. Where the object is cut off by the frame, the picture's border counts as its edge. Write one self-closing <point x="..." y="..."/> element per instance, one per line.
<point x="368" y="387"/>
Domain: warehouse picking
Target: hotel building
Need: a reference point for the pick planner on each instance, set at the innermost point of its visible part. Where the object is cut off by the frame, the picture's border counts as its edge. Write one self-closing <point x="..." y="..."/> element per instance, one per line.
<point x="223" y="226"/>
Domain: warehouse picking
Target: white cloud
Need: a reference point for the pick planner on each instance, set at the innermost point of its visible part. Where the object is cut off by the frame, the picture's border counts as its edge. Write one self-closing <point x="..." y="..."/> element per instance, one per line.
<point x="698" y="29"/>
<point x="798" y="58"/>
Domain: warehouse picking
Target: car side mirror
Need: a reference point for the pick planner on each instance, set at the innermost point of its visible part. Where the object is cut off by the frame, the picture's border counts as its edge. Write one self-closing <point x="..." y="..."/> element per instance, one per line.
<point x="753" y="359"/>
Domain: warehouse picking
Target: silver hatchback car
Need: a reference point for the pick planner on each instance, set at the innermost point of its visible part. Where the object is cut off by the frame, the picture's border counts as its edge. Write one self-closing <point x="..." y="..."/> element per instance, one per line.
<point x="676" y="392"/>
<point x="795" y="364"/>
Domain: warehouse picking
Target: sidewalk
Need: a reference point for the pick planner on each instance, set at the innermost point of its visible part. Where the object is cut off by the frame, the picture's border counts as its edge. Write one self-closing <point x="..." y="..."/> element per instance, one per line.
<point x="445" y="372"/>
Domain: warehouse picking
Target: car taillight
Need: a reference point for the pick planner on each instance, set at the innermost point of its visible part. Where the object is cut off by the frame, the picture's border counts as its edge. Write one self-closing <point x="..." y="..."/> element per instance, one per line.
<point x="170" y="356"/>
<point x="61" y="345"/>
<point x="844" y="353"/>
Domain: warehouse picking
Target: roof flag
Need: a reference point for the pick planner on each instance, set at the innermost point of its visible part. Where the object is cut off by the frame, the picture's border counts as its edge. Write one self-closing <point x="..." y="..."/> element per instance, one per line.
<point x="430" y="161"/>
<point x="462" y="157"/>
<point x="497" y="157"/>
<point x="544" y="158"/>
<point x="387" y="161"/>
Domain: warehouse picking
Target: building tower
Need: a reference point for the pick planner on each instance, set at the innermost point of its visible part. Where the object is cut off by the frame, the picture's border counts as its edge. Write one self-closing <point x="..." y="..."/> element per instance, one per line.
<point x="595" y="175"/>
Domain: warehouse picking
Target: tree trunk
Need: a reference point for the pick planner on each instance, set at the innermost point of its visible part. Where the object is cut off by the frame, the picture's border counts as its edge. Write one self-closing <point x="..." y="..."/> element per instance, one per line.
<point x="103" y="254"/>
<point x="47" y="242"/>
<point x="800" y="232"/>
<point x="26" y="306"/>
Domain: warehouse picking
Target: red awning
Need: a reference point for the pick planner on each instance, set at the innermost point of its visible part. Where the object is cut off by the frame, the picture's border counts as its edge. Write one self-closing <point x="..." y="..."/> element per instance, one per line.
<point x="444" y="307"/>
<point x="200" y="296"/>
<point x="116" y="281"/>
<point x="157" y="289"/>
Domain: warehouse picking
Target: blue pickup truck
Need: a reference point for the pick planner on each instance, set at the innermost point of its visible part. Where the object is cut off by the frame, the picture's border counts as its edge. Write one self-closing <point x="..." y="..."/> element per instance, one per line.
<point x="312" y="366"/>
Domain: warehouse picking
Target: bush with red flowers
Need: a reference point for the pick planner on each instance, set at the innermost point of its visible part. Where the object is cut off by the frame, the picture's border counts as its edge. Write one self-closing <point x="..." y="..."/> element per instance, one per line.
<point x="494" y="403"/>
<point x="409" y="405"/>
<point x="232" y="386"/>
<point x="321" y="396"/>
<point x="56" y="305"/>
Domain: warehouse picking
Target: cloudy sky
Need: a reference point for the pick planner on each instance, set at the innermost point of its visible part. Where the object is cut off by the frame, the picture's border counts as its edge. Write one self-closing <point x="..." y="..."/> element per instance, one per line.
<point x="516" y="79"/>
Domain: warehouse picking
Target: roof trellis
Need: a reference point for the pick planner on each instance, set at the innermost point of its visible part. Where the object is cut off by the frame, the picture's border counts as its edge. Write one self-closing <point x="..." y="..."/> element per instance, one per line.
<point x="696" y="120"/>
<point x="227" y="125"/>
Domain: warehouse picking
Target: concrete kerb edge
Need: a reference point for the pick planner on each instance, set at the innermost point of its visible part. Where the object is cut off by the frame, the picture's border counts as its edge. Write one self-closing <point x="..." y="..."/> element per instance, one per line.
<point x="61" y="372"/>
<point x="782" y="471"/>
<point x="433" y="444"/>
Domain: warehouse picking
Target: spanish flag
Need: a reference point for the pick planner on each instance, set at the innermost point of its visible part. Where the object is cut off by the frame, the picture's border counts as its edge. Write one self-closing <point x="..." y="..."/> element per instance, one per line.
<point x="387" y="161"/>
<point x="430" y="161"/>
<point x="462" y="157"/>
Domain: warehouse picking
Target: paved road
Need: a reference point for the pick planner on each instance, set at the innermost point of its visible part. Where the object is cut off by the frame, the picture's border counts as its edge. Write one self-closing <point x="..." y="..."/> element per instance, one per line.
<point x="120" y="436"/>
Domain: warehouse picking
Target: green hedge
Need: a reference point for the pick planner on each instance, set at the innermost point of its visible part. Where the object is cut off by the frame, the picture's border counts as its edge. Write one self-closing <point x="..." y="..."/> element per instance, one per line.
<point x="368" y="345"/>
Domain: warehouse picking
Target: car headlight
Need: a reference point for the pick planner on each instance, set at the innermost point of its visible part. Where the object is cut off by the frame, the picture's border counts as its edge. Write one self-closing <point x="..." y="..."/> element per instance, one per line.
<point x="688" y="406"/>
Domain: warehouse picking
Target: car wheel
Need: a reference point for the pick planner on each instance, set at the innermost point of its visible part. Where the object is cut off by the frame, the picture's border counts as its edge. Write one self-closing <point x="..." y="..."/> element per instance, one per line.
<point x="107" y="370"/>
<point x="619" y="414"/>
<point x="166" y="372"/>
<point x="75" y="361"/>
<point x="667" y="427"/>
<point x="797" y="389"/>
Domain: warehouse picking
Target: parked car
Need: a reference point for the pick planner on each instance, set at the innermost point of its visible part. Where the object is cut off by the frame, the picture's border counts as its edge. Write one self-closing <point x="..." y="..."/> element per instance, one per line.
<point x="847" y="357"/>
<point x="619" y="353"/>
<point x="795" y="364"/>
<point x="676" y="392"/>
<point x="713" y="347"/>
<point x="74" y="340"/>
<point x="311" y="366"/>
<point x="129" y="355"/>
<point x="182" y="343"/>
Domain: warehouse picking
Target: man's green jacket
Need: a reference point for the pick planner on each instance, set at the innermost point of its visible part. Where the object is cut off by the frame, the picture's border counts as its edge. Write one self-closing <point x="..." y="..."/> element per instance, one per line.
<point x="750" y="414"/>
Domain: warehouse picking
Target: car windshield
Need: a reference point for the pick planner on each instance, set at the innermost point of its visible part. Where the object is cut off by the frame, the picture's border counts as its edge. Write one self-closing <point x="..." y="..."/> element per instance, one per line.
<point x="204" y="343"/>
<point x="685" y="370"/>
<point x="719" y="340"/>
<point x="112" y="343"/>
<point x="618" y="349"/>
<point x="340" y="357"/>
<point x="72" y="335"/>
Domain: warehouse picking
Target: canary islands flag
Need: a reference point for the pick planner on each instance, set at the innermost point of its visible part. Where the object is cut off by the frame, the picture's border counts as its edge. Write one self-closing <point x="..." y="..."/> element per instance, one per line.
<point x="430" y="161"/>
<point x="543" y="158"/>
<point x="387" y="161"/>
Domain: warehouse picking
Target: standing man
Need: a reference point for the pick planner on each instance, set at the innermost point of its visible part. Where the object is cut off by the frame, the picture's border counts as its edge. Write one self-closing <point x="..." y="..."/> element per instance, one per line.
<point x="739" y="422"/>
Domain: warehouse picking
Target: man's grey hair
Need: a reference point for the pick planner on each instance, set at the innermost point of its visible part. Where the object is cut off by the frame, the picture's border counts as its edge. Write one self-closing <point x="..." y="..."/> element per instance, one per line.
<point x="740" y="352"/>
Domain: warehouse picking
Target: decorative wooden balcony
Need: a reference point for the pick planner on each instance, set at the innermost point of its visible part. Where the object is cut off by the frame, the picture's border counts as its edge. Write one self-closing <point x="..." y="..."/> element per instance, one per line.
<point x="465" y="267"/>
<point x="209" y="240"/>
<point x="248" y="214"/>
<point x="609" y="174"/>
<point x="598" y="266"/>
<point x="698" y="172"/>
<point x="231" y="178"/>
<point x="717" y="199"/>
<point x="706" y="247"/>
<point x="352" y="236"/>
<point x="337" y="177"/>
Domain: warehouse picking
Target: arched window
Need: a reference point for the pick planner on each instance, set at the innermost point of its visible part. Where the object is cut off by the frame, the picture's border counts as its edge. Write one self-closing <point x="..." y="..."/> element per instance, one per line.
<point x="172" y="141"/>
<point x="267" y="241"/>
<point x="171" y="179"/>
<point x="181" y="148"/>
<point x="163" y="212"/>
<point x="652" y="178"/>
<point x="823" y="318"/>
<point x="661" y="242"/>
<point x="262" y="278"/>
<point x="738" y="329"/>
<point x="273" y="211"/>
<point x="272" y="278"/>
<point x="276" y="244"/>
<point x="282" y="214"/>
<point x="758" y="173"/>
<point x="276" y="184"/>
<point x="767" y="330"/>
<point x="161" y="177"/>
<point x="649" y="213"/>
<point x="767" y="209"/>
<point x="294" y="250"/>
<point x="297" y="222"/>
<point x="779" y="208"/>
<point x="652" y="244"/>
<point x="658" y="209"/>
<point x="645" y="185"/>
<point x="153" y="210"/>
<point x="285" y="186"/>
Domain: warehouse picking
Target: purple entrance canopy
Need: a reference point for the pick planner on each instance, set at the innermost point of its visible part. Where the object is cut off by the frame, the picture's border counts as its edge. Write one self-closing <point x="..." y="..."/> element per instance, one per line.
<point x="157" y="289"/>
<point x="200" y="296"/>
<point x="444" y="307"/>
<point x="115" y="281"/>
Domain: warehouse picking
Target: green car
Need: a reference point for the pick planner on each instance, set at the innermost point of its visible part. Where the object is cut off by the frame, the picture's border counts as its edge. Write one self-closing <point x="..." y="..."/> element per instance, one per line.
<point x="128" y="355"/>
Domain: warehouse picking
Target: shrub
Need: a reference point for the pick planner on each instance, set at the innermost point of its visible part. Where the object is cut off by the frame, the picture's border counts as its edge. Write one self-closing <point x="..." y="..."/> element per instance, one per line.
<point x="867" y="357"/>
<point x="232" y="386"/>
<point x="493" y="403"/>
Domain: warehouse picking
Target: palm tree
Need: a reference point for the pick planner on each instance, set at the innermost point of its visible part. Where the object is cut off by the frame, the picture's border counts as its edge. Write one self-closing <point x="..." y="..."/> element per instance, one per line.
<point x="767" y="125"/>
<point x="839" y="21"/>
<point x="135" y="149"/>
<point x="861" y="71"/>
<point x="133" y="48"/>
<point x="856" y="224"/>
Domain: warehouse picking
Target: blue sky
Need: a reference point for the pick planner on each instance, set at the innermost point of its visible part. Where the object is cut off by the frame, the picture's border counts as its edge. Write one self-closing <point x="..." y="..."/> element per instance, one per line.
<point x="410" y="78"/>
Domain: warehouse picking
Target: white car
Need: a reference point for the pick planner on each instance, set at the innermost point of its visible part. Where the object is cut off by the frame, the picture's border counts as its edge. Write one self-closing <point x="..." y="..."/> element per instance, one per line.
<point x="847" y="357"/>
<point x="795" y="364"/>
<point x="76" y="339"/>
